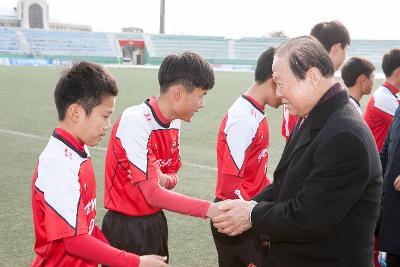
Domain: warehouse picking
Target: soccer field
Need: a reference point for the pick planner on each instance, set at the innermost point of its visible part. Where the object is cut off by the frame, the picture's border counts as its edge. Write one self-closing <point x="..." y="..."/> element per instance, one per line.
<point x="28" y="116"/>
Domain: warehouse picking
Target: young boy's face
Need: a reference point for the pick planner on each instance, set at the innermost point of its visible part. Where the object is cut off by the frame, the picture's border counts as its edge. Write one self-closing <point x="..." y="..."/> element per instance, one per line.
<point x="92" y="128"/>
<point x="191" y="103"/>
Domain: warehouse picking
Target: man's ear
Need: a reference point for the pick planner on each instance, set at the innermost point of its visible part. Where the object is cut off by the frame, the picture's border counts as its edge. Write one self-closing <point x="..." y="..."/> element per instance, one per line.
<point x="75" y="112"/>
<point x="313" y="76"/>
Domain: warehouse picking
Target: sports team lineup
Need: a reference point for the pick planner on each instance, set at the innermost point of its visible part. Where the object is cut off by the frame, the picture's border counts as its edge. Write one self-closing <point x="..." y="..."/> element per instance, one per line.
<point x="292" y="164"/>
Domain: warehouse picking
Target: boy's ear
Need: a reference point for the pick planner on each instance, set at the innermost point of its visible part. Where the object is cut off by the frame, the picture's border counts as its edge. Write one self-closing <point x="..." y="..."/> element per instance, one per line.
<point x="271" y="83"/>
<point x="177" y="91"/>
<point x="336" y="47"/>
<point x="361" y="79"/>
<point x="75" y="112"/>
<point x="396" y="72"/>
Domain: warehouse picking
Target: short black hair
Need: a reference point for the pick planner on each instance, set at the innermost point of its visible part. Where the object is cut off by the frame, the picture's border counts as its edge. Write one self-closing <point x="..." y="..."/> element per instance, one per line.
<point x="391" y="61"/>
<point x="355" y="67"/>
<point x="306" y="52"/>
<point x="188" y="69"/>
<point x="264" y="66"/>
<point x="84" y="83"/>
<point x="331" y="33"/>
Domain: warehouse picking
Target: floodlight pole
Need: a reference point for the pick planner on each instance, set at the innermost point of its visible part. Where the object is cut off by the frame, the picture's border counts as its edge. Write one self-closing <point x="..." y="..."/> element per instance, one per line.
<point x="162" y="16"/>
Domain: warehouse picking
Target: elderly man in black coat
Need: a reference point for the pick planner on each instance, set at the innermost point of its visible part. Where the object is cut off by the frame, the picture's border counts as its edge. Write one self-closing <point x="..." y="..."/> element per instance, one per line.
<point x="322" y="206"/>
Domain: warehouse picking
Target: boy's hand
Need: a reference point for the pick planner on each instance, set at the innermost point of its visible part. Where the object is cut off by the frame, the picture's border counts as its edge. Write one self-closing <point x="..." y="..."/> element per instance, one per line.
<point x="130" y="176"/>
<point x="213" y="210"/>
<point x="162" y="178"/>
<point x="153" y="261"/>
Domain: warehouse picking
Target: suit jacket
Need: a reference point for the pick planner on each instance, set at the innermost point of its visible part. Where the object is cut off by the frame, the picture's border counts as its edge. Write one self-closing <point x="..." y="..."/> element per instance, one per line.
<point x="323" y="204"/>
<point x="389" y="226"/>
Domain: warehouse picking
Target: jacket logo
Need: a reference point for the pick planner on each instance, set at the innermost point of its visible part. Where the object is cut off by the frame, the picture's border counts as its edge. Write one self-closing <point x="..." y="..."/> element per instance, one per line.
<point x="67" y="154"/>
<point x="262" y="154"/>
<point x="162" y="163"/>
<point x="173" y="147"/>
<point x="147" y="116"/>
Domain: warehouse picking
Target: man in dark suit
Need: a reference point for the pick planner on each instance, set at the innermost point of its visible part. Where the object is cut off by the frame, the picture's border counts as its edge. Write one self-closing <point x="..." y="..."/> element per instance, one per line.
<point x="322" y="206"/>
<point x="389" y="226"/>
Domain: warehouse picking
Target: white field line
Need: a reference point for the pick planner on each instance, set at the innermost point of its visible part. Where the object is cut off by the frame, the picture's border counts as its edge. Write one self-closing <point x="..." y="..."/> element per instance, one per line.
<point x="96" y="148"/>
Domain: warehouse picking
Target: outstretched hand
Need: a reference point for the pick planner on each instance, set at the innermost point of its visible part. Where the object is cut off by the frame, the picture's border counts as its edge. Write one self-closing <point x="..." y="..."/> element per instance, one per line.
<point x="153" y="261"/>
<point x="235" y="219"/>
<point x="214" y="210"/>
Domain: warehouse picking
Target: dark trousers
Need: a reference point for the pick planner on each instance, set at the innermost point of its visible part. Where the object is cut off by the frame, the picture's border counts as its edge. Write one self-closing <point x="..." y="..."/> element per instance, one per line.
<point x="244" y="250"/>
<point x="392" y="260"/>
<point x="142" y="235"/>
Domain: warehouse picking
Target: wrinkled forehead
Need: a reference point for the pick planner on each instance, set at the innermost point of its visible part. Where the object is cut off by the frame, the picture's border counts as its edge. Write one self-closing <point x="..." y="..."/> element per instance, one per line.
<point x="279" y="65"/>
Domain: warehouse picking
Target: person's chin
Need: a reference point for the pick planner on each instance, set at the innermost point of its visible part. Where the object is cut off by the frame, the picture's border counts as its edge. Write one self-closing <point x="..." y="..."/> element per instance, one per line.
<point x="188" y="118"/>
<point x="95" y="142"/>
<point x="293" y="112"/>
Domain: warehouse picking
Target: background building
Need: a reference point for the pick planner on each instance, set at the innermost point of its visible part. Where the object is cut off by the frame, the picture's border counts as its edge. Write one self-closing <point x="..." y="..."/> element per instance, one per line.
<point x="34" y="14"/>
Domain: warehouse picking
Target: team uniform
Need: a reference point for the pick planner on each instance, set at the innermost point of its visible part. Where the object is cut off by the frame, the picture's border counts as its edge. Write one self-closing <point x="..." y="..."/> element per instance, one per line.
<point x="288" y="122"/>
<point x="64" y="202"/>
<point x="141" y="141"/>
<point x="356" y="104"/>
<point x="380" y="110"/>
<point x="242" y="155"/>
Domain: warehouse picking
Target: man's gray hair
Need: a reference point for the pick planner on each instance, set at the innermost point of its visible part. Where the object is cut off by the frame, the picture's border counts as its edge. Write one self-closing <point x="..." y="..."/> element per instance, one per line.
<point x="306" y="52"/>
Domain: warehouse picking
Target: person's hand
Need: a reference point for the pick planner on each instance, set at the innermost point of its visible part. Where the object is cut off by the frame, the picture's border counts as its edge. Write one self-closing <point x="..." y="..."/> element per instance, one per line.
<point x="236" y="219"/>
<point x="397" y="183"/>
<point x="162" y="178"/>
<point x="153" y="261"/>
<point x="130" y="176"/>
<point x="214" y="210"/>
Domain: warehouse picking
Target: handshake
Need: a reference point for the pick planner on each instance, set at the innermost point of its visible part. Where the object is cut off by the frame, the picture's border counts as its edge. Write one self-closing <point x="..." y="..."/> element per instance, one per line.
<point x="231" y="217"/>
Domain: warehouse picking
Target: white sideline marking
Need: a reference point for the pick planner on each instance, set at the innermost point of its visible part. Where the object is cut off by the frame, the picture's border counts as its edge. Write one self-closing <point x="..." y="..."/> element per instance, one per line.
<point x="200" y="166"/>
<point x="97" y="148"/>
<point x="23" y="134"/>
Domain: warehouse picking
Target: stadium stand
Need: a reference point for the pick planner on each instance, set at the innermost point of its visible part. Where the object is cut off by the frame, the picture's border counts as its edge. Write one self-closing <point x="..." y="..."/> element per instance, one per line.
<point x="105" y="47"/>
<point x="10" y="44"/>
<point x="372" y="49"/>
<point x="251" y="48"/>
<point x="78" y="44"/>
<point x="39" y="43"/>
<point x="206" y="46"/>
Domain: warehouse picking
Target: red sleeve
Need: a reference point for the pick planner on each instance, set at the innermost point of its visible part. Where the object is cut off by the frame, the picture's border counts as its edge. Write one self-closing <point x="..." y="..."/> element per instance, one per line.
<point x="160" y="197"/>
<point x="175" y="165"/>
<point x="231" y="183"/>
<point x="378" y="122"/>
<point x="97" y="233"/>
<point x="172" y="169"/>
<point x="92" y="249"/>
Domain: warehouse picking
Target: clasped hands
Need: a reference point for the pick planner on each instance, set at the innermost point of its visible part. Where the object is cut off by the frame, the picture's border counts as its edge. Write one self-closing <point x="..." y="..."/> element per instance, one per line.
<point x="231" y="217"/>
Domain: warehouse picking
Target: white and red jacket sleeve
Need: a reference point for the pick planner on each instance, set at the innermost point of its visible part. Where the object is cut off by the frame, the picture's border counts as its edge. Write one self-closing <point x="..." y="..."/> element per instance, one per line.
<point x="143" y="166"/>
